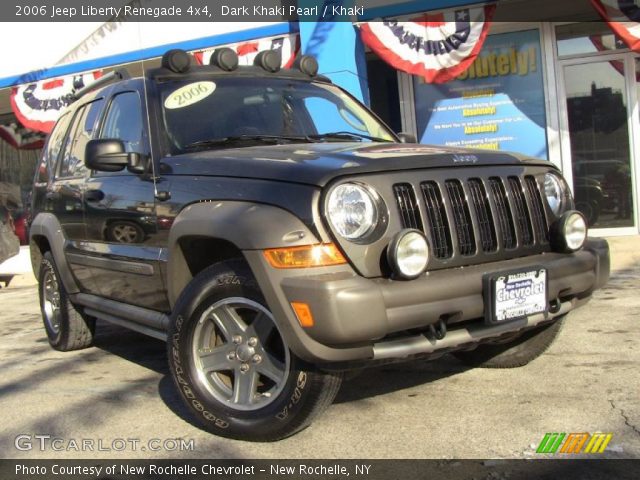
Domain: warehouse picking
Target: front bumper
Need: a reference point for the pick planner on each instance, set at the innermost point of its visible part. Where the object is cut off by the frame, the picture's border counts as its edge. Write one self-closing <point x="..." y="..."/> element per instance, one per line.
<point x="357" y="318"/>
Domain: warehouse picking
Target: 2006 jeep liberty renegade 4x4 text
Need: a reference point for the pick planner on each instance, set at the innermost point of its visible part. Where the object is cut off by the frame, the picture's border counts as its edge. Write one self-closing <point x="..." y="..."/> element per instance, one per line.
<point x="277" y="234"/>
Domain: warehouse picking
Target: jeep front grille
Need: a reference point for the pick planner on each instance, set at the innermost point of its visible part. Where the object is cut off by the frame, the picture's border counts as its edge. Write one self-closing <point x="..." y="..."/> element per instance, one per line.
<point x="437" y="216"/>
<point x="503" y="211"/>
<point x="461" y="217"/>
<point x="482" y="208"/>
<point x="523" y="219"/>
<point x="408" y="205"/>
<point x="466" y="217"/>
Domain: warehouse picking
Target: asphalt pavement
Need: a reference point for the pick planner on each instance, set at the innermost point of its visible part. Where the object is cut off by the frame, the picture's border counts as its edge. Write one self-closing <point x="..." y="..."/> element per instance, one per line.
<point x="118" y="397"/>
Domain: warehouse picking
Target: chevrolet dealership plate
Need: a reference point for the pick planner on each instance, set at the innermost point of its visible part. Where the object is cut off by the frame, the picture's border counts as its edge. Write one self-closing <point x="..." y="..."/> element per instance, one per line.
<point x="515" y="295"/>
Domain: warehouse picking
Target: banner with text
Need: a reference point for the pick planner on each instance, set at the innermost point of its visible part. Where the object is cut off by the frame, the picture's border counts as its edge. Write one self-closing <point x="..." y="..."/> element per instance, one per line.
<point x="497" y="104"/>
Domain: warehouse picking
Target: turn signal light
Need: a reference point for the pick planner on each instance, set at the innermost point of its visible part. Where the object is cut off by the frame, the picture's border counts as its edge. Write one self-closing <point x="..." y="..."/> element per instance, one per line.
<point x="303" y="312"/>
<point x="320" y="255"/>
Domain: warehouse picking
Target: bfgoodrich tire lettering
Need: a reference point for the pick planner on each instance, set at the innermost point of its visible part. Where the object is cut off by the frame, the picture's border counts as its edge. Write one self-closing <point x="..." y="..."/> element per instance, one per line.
<point x="67" y="327"/>
<point x="274" y="409"/>
<point x="515" y="353"/>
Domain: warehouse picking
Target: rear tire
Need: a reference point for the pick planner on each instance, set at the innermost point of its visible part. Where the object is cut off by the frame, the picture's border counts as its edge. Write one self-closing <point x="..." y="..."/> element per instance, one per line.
<point x="514" y="353"/>
<point x="233" y="367"/>
<point x="67" y="328"/>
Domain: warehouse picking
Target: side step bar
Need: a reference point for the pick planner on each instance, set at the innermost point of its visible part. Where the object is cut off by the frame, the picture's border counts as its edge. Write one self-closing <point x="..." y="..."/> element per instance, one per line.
<point x="142" y="320"/>
<point x="421" y="344"/>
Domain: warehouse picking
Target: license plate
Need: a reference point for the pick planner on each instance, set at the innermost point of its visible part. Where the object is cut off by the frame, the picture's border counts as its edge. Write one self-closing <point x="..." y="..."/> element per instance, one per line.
<point x="515" y="295"/>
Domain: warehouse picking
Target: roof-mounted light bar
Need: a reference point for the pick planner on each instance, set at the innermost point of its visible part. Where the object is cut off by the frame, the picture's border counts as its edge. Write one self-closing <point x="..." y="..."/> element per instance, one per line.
<point x="179" y="61"/>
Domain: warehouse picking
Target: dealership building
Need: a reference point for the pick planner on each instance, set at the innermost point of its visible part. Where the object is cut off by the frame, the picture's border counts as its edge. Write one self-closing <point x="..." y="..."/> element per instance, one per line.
<point x="563" y="88"/>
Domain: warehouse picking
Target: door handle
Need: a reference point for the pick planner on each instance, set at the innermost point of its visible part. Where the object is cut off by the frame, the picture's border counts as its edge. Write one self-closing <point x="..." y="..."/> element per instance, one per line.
<point x="94" y="195"/>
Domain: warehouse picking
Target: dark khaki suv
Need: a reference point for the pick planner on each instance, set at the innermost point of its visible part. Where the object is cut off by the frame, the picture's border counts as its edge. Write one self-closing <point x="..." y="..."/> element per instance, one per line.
<point x="277" y="234"/>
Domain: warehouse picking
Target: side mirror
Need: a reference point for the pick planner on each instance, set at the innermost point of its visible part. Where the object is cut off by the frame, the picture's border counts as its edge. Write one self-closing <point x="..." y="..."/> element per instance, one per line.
<point x="106" y="155"/>
<point x="109" y="155"/>
<point x="406" y="137"/>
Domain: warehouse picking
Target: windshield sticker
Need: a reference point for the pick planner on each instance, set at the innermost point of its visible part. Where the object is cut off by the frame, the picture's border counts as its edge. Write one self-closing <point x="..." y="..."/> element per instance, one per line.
<point x="189" y="94"/>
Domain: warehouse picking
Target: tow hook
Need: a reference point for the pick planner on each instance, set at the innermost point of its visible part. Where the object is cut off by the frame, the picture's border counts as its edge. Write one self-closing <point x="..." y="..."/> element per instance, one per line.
<point x="437" y="330"/>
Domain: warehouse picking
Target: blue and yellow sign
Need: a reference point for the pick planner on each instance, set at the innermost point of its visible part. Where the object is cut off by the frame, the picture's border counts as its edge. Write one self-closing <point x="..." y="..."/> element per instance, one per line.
<point x="497" y="104"/>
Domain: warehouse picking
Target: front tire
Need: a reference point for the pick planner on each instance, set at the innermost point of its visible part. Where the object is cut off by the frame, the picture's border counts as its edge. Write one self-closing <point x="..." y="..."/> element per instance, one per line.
<point x="232" y="365"/>
<point x="67" y="328"/>
<point x="514" y="353"/>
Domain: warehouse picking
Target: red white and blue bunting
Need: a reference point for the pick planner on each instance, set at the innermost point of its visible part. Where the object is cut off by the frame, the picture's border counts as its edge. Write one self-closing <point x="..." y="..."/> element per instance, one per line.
<point x="623" y="16"/>
<point x="38" y="105"/>
<point x="435" y="46"/>
<point x="21" y="138"/>
<point x="288" y="45"/>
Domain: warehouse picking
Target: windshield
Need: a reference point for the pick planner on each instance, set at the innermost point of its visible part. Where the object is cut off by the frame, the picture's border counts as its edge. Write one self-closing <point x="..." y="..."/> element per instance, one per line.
<point x="204" y="114"/>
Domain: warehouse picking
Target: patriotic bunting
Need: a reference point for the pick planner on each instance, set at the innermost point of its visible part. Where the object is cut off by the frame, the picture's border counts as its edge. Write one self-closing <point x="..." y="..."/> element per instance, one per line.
<point x="38" y="105"/>
<point x="623" y="16"/>
<point x="20" y="137"/>
<point x="436" y="46"/>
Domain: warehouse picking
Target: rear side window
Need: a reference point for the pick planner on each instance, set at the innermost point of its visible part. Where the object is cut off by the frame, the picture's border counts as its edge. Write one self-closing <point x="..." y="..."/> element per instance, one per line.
<point x="124" y="121"/>
<point x="84" y="122"/>
<point x="52" y="151"/>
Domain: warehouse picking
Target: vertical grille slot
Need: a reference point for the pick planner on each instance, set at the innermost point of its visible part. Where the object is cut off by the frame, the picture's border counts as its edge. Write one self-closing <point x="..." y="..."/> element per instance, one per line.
<point x="503" y="211"/>
<point x="408" y="206"/>
<point x="461" y="217"/>
<point x="523" y="219"/>
<point x="488" y="237"/>
<point x="537" y="210"/>
<point x="437" y="216"/>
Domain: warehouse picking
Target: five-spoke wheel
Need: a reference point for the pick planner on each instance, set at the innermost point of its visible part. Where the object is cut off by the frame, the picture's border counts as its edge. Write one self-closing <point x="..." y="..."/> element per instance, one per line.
<point x="239" y="353"/>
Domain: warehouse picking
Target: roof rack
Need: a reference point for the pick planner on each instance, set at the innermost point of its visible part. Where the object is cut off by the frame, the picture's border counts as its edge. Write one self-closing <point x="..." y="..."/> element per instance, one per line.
<point x="113" y="76"/>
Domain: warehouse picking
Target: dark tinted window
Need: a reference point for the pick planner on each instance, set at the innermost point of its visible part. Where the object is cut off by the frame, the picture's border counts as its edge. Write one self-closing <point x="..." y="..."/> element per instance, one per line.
<point x="124" y="121"/>
<point x="54" y="144"/>
<point x="82" y="129"/>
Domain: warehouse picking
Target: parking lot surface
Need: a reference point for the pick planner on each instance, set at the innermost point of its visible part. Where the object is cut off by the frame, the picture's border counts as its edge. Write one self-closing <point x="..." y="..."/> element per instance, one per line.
<point x="119" y="393"/>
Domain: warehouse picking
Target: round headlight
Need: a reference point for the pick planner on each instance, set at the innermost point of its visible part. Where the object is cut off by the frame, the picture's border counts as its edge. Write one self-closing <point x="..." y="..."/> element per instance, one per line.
<point x="554" y="192"/>
<point x="408" y="253"/>
<point x="352" y="211"/>
<point x="569" y="233"/>
<point x="575" y="231"/>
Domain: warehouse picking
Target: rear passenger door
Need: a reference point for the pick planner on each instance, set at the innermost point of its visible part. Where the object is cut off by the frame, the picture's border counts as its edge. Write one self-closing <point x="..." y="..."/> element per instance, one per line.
<point x="120" y="212"/>
<point x="64" y="196"/>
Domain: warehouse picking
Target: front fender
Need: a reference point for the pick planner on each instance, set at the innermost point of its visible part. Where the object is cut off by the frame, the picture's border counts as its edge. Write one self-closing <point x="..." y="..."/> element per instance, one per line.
<point x="247" y="225"/>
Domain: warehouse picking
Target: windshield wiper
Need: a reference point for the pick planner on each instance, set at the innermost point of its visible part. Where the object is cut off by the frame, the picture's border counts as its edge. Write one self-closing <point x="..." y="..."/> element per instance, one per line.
<point x="223" y="141"/>
<point x="347" y="136"/>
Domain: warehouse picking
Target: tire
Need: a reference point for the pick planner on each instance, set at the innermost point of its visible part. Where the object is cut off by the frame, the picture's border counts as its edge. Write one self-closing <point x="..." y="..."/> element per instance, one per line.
<point x="67" y="328"/>
<point x="220" y="326"/>
<point x="514" y="353"/>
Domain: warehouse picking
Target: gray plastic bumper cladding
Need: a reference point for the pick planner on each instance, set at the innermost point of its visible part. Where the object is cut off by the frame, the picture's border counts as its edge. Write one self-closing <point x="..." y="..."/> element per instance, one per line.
<point x="353" y="314"/>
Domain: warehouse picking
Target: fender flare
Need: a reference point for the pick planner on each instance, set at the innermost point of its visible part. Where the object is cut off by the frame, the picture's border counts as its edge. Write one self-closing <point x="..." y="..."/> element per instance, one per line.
<point x="47" y="225"/>
<point x="247" y="225"/>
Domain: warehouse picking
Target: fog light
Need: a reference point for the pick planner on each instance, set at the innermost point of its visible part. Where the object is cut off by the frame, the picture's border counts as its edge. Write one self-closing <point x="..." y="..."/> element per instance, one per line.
<point x="408" y="253"/>
<point x="569" y="233"/>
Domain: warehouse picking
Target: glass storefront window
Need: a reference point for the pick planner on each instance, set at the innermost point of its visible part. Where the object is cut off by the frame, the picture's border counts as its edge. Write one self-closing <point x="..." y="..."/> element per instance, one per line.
<point x="599" y="136"/>
<point x="586" y="38"/>
<point x="497" y="104"/>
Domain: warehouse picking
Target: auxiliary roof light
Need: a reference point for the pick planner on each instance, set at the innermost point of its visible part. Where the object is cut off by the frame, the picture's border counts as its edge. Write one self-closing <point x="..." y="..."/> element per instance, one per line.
<point x="268" y="60"/>
<point x="224" y="58"/>
<point x="176" y="60"/>
<point x="307" y="65"/>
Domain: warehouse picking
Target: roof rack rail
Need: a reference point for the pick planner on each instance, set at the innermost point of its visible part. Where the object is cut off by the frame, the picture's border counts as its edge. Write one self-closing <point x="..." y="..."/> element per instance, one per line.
<point x="114" y="76"/>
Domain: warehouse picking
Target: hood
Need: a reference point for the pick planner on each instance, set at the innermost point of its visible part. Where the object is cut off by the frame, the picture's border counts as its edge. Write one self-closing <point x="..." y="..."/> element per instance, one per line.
<point x="319" y="163"/>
